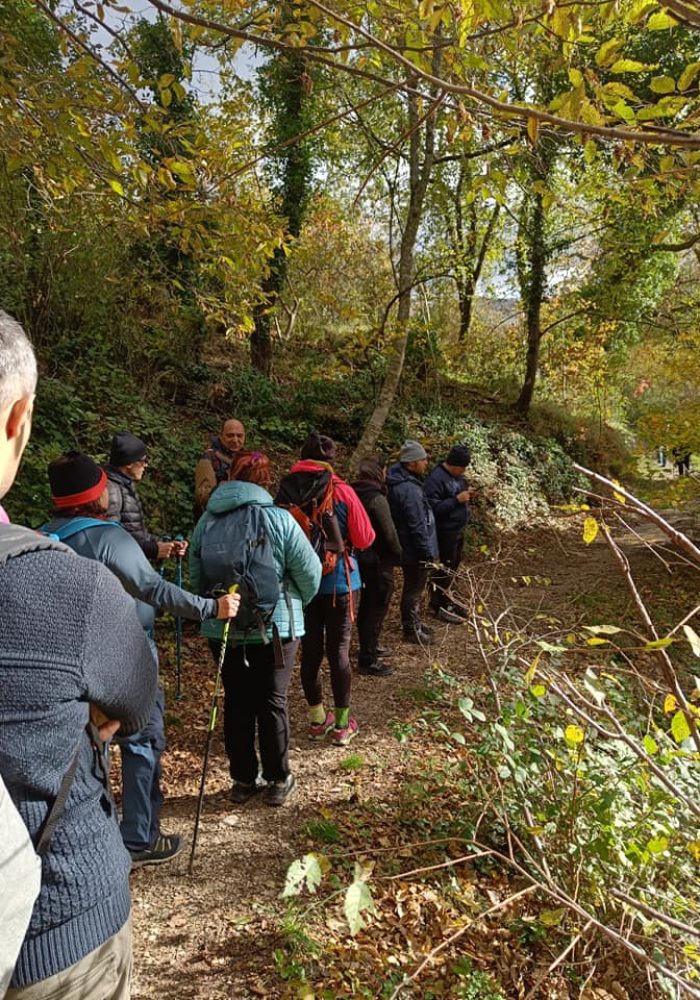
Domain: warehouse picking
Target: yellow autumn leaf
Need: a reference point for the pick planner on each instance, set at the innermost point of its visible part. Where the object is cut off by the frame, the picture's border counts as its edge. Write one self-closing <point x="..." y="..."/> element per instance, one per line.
<point x="574" y="734"/>
<point x="590" y="530"/>
<point x="670" y="703"/>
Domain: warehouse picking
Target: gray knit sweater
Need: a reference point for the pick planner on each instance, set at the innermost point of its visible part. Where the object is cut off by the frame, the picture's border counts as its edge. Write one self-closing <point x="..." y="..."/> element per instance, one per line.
<point x="69" y="635"/>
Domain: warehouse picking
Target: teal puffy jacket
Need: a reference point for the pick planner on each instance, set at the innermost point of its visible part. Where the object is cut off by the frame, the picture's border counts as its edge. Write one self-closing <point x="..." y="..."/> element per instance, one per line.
<point x="298" y="566"/>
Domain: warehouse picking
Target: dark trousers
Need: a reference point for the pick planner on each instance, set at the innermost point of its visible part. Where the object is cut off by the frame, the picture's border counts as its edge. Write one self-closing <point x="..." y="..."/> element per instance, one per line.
<point x="328" y="627"/>
<point x="375" y="598"/>
<point x="142" y="799"/>
<point x="255" y="693"/>
<point x="450" y="546"/>
<point x="414" y="581"/>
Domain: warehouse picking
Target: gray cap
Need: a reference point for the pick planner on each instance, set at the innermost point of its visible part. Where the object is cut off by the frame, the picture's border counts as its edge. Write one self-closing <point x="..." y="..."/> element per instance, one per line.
<point x="412" y="451"/>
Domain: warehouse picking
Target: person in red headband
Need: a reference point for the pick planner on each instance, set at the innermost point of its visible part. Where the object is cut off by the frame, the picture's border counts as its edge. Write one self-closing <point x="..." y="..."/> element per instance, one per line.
<point x="80" y="497"/>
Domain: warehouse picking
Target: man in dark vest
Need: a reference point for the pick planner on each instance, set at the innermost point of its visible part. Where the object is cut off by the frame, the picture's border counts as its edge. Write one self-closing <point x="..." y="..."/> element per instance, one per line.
<point x="213" y="466"/>
<point x="128" y="461"/>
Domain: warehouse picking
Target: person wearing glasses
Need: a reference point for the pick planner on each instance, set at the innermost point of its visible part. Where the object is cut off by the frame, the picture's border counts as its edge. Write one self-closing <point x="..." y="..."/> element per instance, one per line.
<point x="127" y="464"/>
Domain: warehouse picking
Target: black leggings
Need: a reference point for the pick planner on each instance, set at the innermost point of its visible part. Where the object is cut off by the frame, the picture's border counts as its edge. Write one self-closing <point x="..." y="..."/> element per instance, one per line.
<point x="256" y="693"/>
<point x="328" y="627"/>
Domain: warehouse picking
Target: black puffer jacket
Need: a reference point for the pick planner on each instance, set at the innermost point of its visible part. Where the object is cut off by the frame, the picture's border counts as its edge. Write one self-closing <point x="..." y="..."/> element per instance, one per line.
<point x="386" y="547"/>
<point x="441" y="489"/>
<point x="125" y="507"/>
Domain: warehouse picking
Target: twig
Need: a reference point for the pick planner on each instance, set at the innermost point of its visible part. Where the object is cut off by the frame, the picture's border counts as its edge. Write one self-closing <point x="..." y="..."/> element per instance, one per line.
<point x="557" y="961"/>
<point x="455" y="937"/>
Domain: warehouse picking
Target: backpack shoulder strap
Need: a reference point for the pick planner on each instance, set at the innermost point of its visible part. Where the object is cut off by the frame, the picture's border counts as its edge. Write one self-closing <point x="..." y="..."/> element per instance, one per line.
<point x="77" y="524"/>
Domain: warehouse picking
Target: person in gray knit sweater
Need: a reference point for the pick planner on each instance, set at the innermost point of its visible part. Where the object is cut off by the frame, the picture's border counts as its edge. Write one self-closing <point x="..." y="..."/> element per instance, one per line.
<point x="71" y="649"/>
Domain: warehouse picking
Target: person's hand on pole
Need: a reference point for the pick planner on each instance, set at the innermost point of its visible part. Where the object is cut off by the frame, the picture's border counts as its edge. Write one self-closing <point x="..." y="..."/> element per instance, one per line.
<point x="228" y="605"/>
<point x="165" y="550"/>
<point x="180" y="547"/>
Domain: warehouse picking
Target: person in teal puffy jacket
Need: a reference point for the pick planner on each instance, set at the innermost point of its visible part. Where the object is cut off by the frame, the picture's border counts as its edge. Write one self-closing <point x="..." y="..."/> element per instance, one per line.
<point x="255" y="685"/>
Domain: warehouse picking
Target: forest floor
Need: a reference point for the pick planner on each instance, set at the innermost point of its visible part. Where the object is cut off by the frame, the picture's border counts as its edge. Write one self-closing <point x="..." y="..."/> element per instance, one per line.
<point x="225" y="931"/>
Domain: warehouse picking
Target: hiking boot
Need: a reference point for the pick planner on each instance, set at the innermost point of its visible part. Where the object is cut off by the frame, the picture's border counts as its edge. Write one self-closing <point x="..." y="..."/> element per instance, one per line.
<point x="418" y="636"/>
<point x="317" y="730"/>
<point x="241" y="792"/>
<point x="164" y="848"/>
<point x="341" y="737"/>
<point x="277" y="792"/>
<point x="375" y="670"/>
<point x="449" y="613"/>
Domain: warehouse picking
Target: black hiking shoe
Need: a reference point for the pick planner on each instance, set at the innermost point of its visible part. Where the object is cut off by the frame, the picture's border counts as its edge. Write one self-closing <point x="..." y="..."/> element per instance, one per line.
<point x="277" y="792"/>
<point x="375" y="670"/>
<point x="418" y="636"/>
<point x="451" y="614"/>
<point x="241" y="792"/>
<point x="164" y="848"/>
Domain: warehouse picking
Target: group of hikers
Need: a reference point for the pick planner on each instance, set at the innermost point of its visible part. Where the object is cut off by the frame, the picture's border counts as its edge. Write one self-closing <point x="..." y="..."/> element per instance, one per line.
<point x="79" y="663"/>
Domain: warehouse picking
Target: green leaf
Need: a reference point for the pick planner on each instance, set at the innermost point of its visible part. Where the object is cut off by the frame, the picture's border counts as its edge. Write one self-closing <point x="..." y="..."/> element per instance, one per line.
<point x="306" y="869"/>
<point x="117" y="188"/>
<point x="597" y="641"/>
<point x="650" y="745"/>
<point x="630" y="66"/>
<point x="166" y="97"/>
<point x="693" y="638"/>
<point x="688" y="75"/>
<point x="663" y="85"/>
<point x="551" y="918"/>
<point x="657" y="845"/>
<point x="659" y="643"/>
<point x="679" y="727"/>
<point x="608" y="51"/>
<point x="358" y="900"/>
<point x="538" y="690"/>
<point x="661" y="21"/>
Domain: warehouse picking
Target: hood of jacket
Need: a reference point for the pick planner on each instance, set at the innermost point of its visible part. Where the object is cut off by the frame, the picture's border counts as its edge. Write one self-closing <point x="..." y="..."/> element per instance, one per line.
<point x="398" y="474"/>
<point x="234" y="494"/>
<point x="367" y="490"/>
<point x="311" y="465"/>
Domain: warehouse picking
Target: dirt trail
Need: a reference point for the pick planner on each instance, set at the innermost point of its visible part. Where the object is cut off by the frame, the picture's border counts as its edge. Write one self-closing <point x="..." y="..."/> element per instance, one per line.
<point x="213" y="935"/>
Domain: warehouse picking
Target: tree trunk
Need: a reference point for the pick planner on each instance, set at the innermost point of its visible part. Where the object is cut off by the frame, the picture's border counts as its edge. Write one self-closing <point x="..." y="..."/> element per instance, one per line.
<point x="289" y="85"/>
<point x="534" y="294"/>
<point x="419" y="177"/>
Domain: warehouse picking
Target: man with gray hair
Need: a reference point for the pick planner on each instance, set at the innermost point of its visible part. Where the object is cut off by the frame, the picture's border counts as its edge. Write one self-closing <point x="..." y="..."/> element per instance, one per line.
<point x="75" y="667"/>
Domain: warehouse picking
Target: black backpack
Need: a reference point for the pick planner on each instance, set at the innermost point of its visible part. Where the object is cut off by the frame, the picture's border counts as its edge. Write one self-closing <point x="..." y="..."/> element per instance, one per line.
<point x="309" y="498"/>
<point x="236" y="548"/>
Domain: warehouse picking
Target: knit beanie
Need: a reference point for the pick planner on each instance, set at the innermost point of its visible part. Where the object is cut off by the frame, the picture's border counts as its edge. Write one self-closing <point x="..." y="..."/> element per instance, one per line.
<point x="126" y="448"/>
<point x="459" y="455"/>
<point x="412" y="451"/>
<point x="318" y="448"/>
<point x="75" y="479"/>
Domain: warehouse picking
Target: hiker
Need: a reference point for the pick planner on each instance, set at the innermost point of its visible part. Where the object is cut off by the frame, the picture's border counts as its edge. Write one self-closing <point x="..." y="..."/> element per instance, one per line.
<point x="310" y="488"/>
<point x="80" y="496"/>
<point x="127" y="464"/>
<point x="681" y="460"/>
<point x="259" y="658"/>
<point x="415" y="524"/>
<point x="213" y="466"/>
<point x="72" y="653"/>
<point x="376" y="565"/>
<point x="448" y="494"/>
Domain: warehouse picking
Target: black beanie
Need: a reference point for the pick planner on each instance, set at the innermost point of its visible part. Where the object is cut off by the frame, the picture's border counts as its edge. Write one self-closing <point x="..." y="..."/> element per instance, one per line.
<point x="319" y="448"/>
<point x="126" y="448"/>
<point x="75" y="479"/>
<point x="459" y="455"/>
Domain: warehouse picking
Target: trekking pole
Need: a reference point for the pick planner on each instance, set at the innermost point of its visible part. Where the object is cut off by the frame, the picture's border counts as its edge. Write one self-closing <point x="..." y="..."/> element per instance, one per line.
<point x="178" y="629"/>
<point x="210" y="732"/>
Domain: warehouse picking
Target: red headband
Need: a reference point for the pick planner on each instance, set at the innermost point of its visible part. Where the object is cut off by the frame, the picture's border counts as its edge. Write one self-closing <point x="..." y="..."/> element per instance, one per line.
<point x="77" y="499"/>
